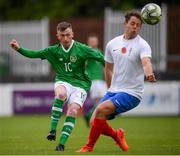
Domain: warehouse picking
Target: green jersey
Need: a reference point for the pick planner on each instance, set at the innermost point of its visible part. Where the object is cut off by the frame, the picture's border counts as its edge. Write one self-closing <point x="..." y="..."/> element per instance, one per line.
<point x="69" y="65"/>
<point x="95" y="69"/>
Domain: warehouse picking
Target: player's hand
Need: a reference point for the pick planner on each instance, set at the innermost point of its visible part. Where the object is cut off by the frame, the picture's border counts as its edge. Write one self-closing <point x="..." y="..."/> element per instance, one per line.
<point x="14" y="44"/>
<point x="151" y="78"/>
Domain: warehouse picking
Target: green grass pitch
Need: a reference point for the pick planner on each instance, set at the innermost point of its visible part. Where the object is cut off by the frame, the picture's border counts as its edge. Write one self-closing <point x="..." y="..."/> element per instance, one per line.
<point x="26" y="135"/>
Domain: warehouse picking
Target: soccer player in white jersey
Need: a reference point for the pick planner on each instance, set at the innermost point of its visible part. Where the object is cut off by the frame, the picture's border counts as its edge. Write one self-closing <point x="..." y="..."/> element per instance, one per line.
<point x="128" y="59"/>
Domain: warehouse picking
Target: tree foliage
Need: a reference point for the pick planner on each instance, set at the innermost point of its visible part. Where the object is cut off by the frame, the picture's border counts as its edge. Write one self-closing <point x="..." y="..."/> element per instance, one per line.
<point x="37" y="9"/>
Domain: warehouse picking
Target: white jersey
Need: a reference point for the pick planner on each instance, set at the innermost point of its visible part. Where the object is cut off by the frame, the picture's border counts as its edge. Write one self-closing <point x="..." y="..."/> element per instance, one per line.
<point x="126" y="55"/>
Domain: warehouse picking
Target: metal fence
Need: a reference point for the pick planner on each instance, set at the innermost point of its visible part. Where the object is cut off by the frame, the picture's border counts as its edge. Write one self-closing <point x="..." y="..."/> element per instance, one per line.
<point x="155" y="35"/>
<point x="30" y="34"/>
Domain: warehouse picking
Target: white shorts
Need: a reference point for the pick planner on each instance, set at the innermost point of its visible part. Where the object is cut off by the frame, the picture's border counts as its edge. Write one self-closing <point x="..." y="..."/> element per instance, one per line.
<point x="98" y="89"/>
<point x="74" y="94"/>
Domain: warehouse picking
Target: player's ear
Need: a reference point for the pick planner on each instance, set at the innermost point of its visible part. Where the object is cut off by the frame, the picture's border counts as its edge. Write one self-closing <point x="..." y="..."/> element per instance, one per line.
<point x="58" y="36"/>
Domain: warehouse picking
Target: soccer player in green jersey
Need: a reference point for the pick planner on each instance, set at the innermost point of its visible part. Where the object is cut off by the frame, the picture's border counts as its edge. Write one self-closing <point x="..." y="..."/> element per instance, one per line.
<point x="68" y="59"/>
<point x="95" y="71"/>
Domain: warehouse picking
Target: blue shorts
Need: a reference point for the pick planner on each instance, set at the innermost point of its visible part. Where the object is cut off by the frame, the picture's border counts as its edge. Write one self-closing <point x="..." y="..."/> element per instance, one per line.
<point x="122" y="101"/>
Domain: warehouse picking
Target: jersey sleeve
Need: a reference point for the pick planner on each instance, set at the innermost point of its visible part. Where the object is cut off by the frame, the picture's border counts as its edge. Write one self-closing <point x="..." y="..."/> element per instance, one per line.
<point x="33" y="53"/>
<point x="108" y="55"/>
<point x="145" y="50"/>
<point x="95" y="55"/>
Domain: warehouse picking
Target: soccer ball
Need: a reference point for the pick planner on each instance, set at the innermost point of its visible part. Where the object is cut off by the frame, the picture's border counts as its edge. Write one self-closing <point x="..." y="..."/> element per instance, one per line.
<point x="151" y="13"/>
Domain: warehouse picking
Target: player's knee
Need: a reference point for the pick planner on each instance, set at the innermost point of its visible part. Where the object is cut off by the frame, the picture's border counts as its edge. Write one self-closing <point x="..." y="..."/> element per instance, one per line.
<point x="61" y="96"/>
<point x="99" y="111"/>
<point x="73" y="111"/>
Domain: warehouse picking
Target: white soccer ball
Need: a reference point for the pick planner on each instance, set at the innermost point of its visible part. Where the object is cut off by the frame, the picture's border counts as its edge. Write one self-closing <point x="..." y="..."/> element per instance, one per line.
<point x="151" y="13"/>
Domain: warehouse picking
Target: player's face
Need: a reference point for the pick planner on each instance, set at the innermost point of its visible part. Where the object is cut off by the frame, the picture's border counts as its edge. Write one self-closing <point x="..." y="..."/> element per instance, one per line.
<point x="132" y="27"/>
<point x="65" y="37"/>
<point x="93" y="42"/>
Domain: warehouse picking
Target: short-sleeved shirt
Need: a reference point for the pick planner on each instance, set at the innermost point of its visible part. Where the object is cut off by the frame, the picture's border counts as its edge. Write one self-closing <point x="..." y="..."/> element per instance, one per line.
<point x="126" y="55"/>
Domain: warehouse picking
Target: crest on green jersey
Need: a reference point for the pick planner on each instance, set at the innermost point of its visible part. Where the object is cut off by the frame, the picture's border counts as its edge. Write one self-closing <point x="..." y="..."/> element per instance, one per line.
<point x="73" y="58"/>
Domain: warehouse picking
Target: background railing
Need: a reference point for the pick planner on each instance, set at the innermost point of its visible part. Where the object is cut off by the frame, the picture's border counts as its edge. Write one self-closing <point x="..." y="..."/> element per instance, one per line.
<point x="30" y="34"/>
<point x="162" y="37"/>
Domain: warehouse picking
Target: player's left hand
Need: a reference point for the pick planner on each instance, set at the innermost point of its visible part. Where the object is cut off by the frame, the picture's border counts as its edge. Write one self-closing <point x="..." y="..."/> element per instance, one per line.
<point x="151" y="78"/>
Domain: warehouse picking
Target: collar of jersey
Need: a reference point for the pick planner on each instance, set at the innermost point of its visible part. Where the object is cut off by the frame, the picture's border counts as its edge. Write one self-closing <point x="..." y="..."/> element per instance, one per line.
<point x="69" y="47"/>
<point x="129" y="40"/>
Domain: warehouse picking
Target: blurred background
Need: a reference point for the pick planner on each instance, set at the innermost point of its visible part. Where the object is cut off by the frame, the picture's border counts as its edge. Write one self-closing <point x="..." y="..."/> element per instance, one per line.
<point x="26" y="85"/>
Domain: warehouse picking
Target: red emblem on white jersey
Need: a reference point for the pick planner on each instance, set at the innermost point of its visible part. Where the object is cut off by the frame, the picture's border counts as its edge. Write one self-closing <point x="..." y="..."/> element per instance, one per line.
<point x="123" y="50"/>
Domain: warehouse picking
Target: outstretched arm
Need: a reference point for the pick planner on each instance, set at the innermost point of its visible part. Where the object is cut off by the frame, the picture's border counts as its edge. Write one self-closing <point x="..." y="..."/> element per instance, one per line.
<point x="26" y="52"/>
<point x="148" y="71"/>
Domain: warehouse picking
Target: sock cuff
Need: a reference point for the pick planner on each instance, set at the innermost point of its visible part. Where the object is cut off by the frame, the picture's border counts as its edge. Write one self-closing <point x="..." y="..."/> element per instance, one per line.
<point x="59" y="102"/>
<point x="70" y="119"/>
<point x="99" y="121"/>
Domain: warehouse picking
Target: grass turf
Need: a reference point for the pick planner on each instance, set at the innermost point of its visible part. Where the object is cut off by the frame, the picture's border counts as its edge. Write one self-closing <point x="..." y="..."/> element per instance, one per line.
<point x="26" y="135"/>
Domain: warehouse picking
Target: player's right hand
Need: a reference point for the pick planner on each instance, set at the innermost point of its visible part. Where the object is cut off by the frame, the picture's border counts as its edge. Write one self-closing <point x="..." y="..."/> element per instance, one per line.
<point x="14" y="44"/>
<point x="151" y="78"/>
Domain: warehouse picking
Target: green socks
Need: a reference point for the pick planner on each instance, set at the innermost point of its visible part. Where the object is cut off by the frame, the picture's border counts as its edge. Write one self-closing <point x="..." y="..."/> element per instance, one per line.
<point x="67" y="129"/>
<point x="69" y="123"/>
<point x="56" y="113"/>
